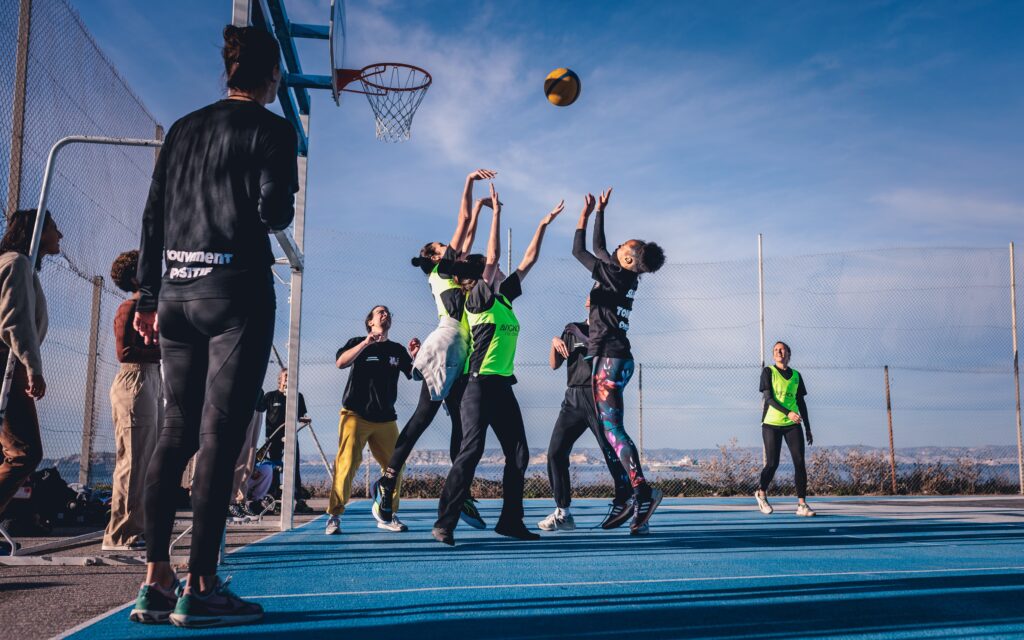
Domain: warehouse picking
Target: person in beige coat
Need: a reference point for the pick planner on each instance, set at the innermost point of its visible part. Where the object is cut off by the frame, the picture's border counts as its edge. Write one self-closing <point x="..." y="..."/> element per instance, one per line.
<point x="23" y="324"/>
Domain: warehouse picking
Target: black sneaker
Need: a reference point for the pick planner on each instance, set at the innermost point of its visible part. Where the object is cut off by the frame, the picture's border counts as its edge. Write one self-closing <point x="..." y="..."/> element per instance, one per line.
<point x="618" y="514"/>
<point x="238" y="513"/>
<point x="154" y="605"/>
<point x="515" y="530"/>
<point x="443" y="535"/>
<point x="218" y="608"/>
<point x="382" y="505"/>
<point x="644" y="508"/>
<point x="471" y="515"/>
<point x="302" y="507"/>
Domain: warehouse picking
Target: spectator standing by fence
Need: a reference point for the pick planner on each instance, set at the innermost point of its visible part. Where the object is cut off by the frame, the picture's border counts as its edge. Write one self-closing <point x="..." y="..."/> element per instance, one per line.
<point x="23" y="324"/>
<point x="136" y="402"/>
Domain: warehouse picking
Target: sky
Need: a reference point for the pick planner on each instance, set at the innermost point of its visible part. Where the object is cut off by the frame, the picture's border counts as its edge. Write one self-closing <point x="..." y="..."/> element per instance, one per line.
<point x="826" y="126"/>
<point x="823" y="125"/>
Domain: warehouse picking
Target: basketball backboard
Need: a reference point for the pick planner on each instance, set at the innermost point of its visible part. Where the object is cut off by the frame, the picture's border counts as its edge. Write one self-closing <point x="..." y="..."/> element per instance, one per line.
<point x="337" y="41"/>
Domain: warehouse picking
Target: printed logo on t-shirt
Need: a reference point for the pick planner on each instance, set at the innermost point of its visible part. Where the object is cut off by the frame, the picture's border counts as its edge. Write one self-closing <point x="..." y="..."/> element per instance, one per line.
<point x="393" y="361"/>
<point x="372" y="359"/>
<point x="180" y="256"/>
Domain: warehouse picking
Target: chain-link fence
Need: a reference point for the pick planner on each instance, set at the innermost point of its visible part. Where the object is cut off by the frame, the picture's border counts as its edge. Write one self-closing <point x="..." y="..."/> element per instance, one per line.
<point x="939" y="319"/>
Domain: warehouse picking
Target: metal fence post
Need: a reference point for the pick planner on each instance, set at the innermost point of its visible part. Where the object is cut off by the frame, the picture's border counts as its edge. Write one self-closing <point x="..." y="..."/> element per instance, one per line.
<point x="89" y="416"/>
<point x="18" y="106"/>
<point x="760" y="291"/>
<point x="640" y="389"/>
<point x="1016" y="368"/>
<point x="892" y="447"/>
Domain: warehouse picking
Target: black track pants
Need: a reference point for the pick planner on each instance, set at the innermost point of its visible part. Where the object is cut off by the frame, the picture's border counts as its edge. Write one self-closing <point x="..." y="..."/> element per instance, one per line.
<point x="794" y="437"/>
<point x="215" y="353"/>
<point x="576" y="416"/>
<point x="488" y="400"/>
<point x="421" y="418"/>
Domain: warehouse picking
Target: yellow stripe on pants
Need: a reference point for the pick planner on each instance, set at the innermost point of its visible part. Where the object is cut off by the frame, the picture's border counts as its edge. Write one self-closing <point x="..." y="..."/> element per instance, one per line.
<point x="354" y="433"/>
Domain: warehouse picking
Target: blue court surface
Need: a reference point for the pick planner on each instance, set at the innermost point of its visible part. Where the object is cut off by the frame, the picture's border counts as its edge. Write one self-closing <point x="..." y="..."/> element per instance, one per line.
<point x="711" y="568"/>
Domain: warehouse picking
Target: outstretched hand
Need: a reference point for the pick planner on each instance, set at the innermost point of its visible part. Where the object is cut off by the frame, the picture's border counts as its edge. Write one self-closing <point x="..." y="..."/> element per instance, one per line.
<point x="588" y="205"/>
<point x="551" y="215"/>
<point x="486" y="202"/>
<point x="482" y="174"/>
<point x="495" y="201"/>
<point x="603" y="200"/>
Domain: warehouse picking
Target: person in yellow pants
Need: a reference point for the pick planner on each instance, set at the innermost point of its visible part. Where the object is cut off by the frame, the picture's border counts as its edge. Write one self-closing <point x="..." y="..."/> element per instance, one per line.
<point x="368" y="409"/>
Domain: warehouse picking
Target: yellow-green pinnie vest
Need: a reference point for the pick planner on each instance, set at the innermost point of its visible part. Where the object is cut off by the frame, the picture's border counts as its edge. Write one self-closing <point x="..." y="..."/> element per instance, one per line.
<point x="501" y="352"/>
<point x="785" y="394"/>
<point x="439" y="285"/>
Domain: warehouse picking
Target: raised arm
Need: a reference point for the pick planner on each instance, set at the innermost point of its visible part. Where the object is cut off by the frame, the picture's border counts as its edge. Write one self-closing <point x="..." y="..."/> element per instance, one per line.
<point x="533" y="251"/>
<point x="466" y="204"/>
<point x="474" y="218"/>
<point x="579" y="241"/>
<point x="600" y="248"/>
<point x="494" y="240"/>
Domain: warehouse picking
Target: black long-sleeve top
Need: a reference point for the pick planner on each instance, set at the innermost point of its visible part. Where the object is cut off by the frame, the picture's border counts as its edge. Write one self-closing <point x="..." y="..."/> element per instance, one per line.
<point x="225" y="177"/>
<point x="611" y="299"/>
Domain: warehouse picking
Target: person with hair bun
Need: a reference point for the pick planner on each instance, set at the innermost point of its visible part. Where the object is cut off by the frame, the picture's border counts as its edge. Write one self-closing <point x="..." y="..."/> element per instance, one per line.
<point x="226" y="177"/>
<point x="441" y="359"/>
<point x="136" y="405"/>
<point x="611" y="301"/>
<point x="784" y="413"/>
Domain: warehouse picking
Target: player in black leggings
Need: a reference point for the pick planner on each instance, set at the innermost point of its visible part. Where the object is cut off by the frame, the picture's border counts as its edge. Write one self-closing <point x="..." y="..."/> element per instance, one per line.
<point x="442" y="357"/>
<point x="576" y="416"/>
<point x="225" y="177"/>
<point x="784" y="418"/>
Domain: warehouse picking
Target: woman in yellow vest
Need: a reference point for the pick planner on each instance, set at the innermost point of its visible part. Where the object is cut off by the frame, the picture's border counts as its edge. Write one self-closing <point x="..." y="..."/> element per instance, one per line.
<point x="784" y="413"/>
<point x="441" y="359"/>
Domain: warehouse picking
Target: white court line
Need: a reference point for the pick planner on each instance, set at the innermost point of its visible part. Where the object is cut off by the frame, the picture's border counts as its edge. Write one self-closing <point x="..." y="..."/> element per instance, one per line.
<point x="598" y="583"/>
<point x="102" y="616"/>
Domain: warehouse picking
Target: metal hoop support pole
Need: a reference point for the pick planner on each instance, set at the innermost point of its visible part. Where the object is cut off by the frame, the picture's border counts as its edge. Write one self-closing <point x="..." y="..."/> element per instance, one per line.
<point x="37" y="231"/>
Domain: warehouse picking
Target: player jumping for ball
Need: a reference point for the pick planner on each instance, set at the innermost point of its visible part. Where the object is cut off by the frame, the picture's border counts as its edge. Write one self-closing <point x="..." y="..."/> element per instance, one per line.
<point x="615" y="280"/>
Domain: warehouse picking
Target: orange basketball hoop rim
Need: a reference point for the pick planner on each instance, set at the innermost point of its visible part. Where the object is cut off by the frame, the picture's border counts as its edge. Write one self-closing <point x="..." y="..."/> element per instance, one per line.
<point x="344" y="77"/>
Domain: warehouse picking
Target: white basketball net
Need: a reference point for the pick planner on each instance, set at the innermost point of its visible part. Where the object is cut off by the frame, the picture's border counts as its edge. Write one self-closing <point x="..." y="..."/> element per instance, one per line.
<point x="394" y="92"/>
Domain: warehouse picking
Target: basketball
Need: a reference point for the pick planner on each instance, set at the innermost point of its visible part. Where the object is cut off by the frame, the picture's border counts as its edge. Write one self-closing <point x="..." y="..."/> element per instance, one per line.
<point x="562" y="87"/>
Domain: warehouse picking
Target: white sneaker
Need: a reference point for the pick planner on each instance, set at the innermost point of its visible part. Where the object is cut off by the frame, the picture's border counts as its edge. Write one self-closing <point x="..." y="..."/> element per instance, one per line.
<point x="762" y="503"/>
<point x="395" y="525"/>
<point x="803" y="509"/>
<point x="333" y="526"/>
<point x="556" y="522"/>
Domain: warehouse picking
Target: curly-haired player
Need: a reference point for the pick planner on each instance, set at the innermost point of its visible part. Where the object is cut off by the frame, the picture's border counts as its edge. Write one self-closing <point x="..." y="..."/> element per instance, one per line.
<point x="611" y="300"/>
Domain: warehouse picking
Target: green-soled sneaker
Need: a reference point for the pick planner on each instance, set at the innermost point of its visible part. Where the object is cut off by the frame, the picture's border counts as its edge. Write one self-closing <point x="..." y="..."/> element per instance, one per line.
<point x="154" y="605"/>
<point x="218" y="608"/>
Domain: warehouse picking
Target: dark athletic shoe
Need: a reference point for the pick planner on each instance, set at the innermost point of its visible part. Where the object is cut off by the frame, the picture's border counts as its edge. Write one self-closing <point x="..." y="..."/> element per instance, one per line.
<point x="515" y="530"/>
<point x="471" y="515"/>
<point x="618" y="514"/>
<point x="218" y="608"/>
<point x="382" y="507"/>
<point x="643" y="509"/>
<point x="443" y="536"/>
<point x="154" y="605"/>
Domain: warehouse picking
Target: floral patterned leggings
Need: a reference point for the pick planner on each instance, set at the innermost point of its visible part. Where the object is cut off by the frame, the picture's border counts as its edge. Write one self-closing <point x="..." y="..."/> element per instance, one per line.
<point x="611" y="375"/>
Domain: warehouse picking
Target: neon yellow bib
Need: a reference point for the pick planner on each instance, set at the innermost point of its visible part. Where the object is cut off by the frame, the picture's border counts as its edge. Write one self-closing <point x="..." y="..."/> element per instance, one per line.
<point x="785" y="394"/>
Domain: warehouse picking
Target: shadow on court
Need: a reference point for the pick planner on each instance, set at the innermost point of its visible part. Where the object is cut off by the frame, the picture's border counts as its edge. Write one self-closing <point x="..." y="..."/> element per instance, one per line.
<point x="703" y="572"/>
<point x="910" y="606"/>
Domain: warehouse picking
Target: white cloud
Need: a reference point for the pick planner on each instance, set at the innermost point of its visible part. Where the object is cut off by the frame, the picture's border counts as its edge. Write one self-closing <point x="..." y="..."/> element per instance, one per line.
<point x="950" y="209"/>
